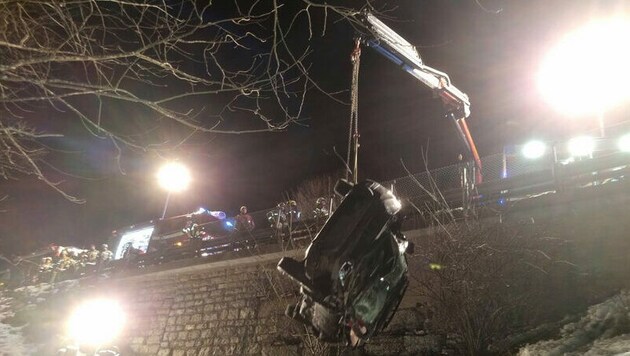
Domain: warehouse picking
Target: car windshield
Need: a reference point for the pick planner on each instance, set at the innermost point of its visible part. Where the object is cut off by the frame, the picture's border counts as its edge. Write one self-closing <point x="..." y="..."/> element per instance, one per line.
<point x="370" y="303"/>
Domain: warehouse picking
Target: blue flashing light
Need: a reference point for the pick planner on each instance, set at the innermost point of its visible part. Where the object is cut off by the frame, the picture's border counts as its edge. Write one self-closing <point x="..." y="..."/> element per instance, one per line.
<point x="228" y="224"/>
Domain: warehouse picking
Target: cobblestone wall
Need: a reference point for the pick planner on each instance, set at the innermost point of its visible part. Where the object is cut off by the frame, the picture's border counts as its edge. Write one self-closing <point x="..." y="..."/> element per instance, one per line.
<point x="237" y="311"/>
<point x="235" y="308"/>
<point x="217" y="312"/>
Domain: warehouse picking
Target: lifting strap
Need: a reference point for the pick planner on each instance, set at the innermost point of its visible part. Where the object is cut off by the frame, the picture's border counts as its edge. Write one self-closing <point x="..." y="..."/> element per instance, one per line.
<point x="353" y="134"/>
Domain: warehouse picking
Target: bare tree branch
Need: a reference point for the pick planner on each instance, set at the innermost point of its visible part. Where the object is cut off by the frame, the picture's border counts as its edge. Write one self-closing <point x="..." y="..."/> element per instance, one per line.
<point x="153" y="74"/>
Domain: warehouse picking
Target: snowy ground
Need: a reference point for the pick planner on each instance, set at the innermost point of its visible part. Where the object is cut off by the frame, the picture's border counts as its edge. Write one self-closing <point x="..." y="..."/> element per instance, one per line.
<point x="12" y="340"/>
<point x="604" y="330"/>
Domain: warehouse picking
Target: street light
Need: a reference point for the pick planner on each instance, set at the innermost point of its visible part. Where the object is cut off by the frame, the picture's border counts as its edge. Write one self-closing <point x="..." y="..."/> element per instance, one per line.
<point x="534" y="149"/>
<point x="587" y="72"/>
<point x="624" y="143"/>
<point x="173" y="177"/>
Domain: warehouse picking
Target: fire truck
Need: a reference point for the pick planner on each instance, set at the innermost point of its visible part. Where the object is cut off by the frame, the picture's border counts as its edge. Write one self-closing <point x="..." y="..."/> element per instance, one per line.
<point x="169" y="238"/>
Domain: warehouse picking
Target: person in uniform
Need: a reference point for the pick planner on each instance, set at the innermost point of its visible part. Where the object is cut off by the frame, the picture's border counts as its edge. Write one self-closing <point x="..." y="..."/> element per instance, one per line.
<point x="293" y="212"/>
<point x="106" y="255"/>
<point x="92" y="255"/>
<point x="277" y="217"/>
<point x="293" y="216"/>
<point x="46" y="267"/>
<point x="66" y="266"/>
<point x="244" y="221"/>
<point x="90" y="259"/>
<point x="320" y="213"/>
<point x="194" y="231"/>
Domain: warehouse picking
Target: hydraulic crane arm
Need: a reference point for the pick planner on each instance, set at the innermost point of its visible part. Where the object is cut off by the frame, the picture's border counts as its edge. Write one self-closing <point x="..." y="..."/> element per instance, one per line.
<point x="391" y="45"/>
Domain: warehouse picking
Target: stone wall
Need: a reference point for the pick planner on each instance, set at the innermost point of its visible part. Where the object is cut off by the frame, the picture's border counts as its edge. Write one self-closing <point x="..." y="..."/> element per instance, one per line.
<point x="226" y="308"/>
<point x="236" y="310"/>
<point x="214" y="312"/>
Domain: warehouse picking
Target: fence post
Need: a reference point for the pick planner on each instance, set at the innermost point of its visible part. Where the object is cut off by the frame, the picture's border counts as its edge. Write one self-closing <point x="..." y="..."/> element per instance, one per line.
<point x="464" y="184"/>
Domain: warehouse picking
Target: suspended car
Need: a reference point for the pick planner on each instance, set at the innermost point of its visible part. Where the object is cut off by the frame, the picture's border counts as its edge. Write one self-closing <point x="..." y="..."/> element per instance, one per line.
<point x="354" y="274"/>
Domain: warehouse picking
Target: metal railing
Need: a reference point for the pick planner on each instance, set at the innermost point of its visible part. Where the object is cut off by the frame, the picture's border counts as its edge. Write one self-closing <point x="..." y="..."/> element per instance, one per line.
<point x="510" y="176"/>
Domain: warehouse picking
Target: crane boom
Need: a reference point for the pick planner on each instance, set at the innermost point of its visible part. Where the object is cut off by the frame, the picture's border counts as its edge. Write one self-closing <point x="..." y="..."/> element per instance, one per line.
<point x="394" y="47"/>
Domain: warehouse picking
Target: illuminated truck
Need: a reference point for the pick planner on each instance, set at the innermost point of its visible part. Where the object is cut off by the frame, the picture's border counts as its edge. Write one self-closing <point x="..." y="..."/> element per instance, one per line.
<point x="171" y="237"/>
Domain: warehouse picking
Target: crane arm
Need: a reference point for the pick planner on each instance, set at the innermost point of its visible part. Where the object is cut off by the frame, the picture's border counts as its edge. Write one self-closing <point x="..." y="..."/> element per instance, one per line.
<point x="394" y="47"/>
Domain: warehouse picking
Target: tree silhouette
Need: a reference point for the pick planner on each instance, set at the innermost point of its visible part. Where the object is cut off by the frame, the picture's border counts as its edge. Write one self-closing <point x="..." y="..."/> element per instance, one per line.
<point x="151" y="75"/>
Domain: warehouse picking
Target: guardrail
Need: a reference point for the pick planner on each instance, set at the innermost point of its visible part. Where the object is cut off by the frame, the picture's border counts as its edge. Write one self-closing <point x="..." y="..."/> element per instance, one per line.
<point x="509" y="177"/>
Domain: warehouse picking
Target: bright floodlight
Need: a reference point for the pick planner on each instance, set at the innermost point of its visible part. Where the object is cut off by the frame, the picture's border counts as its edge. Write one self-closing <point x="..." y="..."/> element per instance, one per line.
<point x="588" y="72"/>
<point x="624" y="143"/>
<point x="581" y="146"/>
<point x="534" y="149"/>
<point x="174" y="177"/>
<point x="96" y="322"/>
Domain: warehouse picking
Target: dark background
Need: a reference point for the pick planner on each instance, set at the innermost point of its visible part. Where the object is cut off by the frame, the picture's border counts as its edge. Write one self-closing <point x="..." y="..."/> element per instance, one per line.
<point x="490" y="49"/>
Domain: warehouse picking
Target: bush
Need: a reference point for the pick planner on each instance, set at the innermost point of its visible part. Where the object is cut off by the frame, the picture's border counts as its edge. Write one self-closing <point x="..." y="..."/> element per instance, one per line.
<point x="485" y="281"/>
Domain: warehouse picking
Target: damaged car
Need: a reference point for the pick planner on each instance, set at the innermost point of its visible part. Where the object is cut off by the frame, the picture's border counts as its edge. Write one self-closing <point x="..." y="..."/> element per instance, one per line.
<point x="354" y="273"/>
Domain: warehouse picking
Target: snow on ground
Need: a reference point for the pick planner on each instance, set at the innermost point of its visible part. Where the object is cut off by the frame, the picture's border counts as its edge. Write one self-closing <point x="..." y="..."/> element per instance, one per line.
<point x="12" y="341"/>
<point x="604" y="330"/>
<point x="35" y="293"/>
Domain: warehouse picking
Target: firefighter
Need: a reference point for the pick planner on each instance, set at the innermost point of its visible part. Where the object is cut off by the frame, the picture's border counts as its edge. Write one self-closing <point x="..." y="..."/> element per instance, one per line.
<point x="293" y="212"/>
<point x="244" y="221"/>
<point x="46" y="265"/>
<point x="320" y="213"/>
<point x="66" y="266"/>
<point x="293" y="217"/>
<point x="277" y="217"/>
<point x="106" y="255"/>
<point x="66" y="261"/>
<point x="92" y="255"/>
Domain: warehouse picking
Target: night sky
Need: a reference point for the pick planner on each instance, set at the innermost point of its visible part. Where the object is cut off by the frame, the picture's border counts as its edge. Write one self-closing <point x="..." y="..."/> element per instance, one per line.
<point x="490" y="49"/>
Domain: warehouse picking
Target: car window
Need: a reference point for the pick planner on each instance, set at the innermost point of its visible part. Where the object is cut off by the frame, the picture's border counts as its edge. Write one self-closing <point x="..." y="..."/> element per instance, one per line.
<point x="370" y="304"/>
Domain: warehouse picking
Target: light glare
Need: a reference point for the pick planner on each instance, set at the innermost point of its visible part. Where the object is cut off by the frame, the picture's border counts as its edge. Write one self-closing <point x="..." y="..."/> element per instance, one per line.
<point x="581" y="146"/>
<point x="174" y="177"/>
<point x="588" y="72"/>
<point x="624" y="143"/>
<point x="96" y="322"/>
<point x="534" y="149"/>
